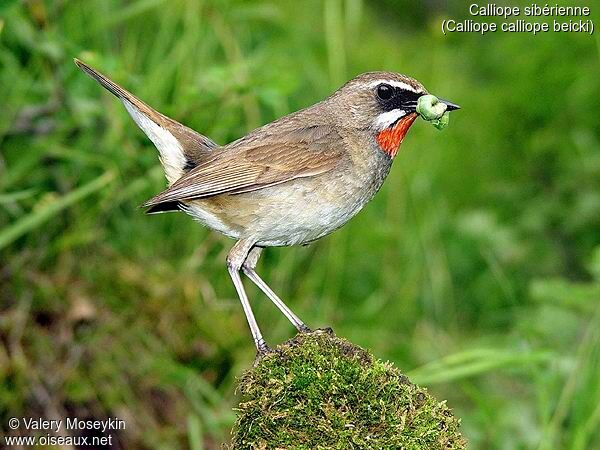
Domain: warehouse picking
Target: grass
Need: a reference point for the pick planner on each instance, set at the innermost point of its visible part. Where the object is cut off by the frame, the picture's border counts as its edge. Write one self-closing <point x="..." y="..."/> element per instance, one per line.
<point x="476" y="269"/>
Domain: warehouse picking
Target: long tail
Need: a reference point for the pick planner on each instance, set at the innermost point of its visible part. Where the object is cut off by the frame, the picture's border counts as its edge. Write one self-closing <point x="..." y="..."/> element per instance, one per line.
<point x="180" y="147"/>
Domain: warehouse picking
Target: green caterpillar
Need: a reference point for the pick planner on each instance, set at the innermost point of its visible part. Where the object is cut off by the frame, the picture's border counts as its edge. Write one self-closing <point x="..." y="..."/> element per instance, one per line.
<point x="433" y="111"/>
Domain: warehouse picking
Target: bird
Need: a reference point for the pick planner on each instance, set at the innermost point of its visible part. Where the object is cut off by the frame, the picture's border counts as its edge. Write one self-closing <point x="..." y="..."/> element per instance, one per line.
<point x="289" y="182"/>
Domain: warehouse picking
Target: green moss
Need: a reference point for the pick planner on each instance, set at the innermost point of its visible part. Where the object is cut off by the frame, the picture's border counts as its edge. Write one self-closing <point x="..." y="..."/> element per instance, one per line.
<point x="318" y="391"/>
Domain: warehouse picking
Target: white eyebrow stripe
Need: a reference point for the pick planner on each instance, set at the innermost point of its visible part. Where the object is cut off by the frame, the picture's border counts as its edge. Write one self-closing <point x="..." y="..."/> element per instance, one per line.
<point x="395" y="83"/>
<point x="384" y="120"/>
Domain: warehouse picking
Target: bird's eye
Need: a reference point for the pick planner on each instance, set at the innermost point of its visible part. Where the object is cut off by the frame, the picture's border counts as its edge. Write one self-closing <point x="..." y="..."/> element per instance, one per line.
<point x="385" y="91"/>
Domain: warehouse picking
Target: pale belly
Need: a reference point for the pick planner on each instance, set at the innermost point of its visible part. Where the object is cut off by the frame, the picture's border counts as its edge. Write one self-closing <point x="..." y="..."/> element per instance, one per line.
<point x="296" y="212"/>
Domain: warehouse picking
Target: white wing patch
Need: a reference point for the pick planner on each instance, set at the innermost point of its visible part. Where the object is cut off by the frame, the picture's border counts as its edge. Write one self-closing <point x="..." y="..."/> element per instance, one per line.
<point x="171" y="152"/>
<point x="386" y="119"/>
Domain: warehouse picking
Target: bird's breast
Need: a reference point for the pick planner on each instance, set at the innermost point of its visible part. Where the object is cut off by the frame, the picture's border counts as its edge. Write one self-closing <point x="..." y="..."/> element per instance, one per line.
<point x="298" y="211"/>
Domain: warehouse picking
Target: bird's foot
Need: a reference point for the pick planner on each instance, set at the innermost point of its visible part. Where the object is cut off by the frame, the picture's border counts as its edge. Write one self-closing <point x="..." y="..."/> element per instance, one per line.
<point x="303" y="329"/>
<point x="262" y="349"/>
<point x="326" y="330"/>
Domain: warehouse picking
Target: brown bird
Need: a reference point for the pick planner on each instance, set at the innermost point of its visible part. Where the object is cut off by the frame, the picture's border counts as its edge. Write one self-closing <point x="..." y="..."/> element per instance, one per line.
<point x="289" y="182"/>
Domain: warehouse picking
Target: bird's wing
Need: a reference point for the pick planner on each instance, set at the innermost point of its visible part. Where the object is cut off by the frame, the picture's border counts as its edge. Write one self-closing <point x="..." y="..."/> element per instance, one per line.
<point x="259" y="161"/>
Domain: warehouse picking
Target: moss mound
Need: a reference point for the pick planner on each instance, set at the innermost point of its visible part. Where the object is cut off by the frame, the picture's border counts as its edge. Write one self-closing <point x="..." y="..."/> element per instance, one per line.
<point x="318" y="391"/>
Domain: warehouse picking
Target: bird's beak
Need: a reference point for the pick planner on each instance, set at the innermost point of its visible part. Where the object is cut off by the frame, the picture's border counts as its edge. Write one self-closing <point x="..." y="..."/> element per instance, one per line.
<point x="449" y="105"/>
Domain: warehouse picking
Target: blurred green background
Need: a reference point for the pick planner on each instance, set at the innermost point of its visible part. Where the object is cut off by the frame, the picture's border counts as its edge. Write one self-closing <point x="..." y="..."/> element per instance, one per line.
<point x="476" y="269"/>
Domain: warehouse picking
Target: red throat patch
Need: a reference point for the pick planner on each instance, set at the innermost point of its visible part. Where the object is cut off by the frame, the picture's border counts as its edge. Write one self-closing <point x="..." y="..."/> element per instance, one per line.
<point x="390" y="139"/>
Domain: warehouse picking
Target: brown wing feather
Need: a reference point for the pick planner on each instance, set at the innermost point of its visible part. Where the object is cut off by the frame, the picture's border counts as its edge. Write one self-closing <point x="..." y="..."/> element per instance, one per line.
<point x="252" y="163"/>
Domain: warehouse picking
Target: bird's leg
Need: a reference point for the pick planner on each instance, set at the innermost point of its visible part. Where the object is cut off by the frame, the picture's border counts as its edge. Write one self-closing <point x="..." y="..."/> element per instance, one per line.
<point x="248" y="268"/>
<point x="236" y="257"/>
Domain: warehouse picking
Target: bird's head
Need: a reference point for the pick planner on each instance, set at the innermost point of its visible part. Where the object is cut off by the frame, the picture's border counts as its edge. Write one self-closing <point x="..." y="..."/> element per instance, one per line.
<point x="382" y="103"/>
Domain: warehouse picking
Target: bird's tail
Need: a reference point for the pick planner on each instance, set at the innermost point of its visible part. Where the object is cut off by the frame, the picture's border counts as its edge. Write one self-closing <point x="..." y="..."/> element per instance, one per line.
<point x="180" y="147"/>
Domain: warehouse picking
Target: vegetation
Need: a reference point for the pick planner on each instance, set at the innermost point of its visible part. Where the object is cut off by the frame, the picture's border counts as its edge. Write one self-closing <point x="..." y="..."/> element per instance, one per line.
<point x="320" y="391"/>
<point x="476" y="269"/>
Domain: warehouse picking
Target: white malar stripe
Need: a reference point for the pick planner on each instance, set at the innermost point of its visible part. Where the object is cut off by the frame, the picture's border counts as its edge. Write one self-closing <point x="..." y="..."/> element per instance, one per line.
<point x="395" y="83"/>
<point x="169" y="148"/>
<point x="384" y="120"/>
